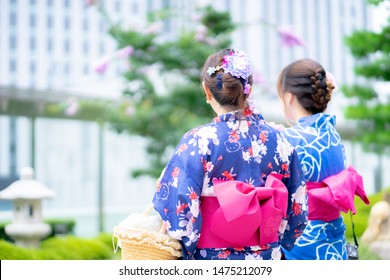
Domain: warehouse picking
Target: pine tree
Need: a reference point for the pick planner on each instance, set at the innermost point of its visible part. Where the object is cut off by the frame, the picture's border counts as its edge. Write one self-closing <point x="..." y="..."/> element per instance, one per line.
<point x="165" y="97"/>
<point x="370" y="108"/>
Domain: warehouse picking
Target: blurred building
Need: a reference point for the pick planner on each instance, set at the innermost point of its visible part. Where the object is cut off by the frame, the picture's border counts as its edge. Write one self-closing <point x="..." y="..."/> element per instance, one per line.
<point x="53" y="45"/>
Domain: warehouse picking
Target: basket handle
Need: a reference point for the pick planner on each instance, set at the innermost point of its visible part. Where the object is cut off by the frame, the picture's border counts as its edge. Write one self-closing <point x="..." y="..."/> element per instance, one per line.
<point x="146" y="212"/>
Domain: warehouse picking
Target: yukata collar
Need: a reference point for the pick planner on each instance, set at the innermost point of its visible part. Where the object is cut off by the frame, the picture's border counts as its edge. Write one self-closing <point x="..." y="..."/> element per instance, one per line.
<point x="235" y="116"/>
<point x="317" y="120"/>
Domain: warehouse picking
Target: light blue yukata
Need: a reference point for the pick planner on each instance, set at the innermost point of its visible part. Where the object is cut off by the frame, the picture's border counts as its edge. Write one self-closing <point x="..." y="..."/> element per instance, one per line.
<point x="322" y="154"/>
<point x="231" y="147"/>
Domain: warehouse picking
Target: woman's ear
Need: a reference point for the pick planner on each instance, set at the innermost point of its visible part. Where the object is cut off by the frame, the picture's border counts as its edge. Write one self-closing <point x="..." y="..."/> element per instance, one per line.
<point x="288" y="98"/>
<point x="207" y="91"/>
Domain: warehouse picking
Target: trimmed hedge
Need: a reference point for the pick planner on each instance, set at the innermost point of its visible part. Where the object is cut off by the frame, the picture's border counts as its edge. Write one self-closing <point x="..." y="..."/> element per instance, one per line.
<point x="61" y="248"/>
<point x="58" y="226"/>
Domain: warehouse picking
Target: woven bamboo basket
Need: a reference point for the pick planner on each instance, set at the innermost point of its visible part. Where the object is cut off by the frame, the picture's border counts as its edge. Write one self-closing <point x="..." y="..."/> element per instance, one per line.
<point x="143" y="244"/>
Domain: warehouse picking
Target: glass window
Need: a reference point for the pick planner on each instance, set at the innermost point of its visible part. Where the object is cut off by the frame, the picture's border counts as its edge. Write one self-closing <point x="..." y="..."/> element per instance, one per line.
<point x="49" y="22"/>
<point x="66" y="23"/>
<point x="12" y="42"/>
<point x="85" y="24"/>
<point x="66" y="46"/>
<point x="118" y="6"/>
<point x="32" y="20"/>
<point x="12" y="65"/>
<point x="85" y="47"/>
<point x="32" y="43"/>
<point x="13" y="19"/>
<point x="32" y="67"/>
<point x="49" y="44"/>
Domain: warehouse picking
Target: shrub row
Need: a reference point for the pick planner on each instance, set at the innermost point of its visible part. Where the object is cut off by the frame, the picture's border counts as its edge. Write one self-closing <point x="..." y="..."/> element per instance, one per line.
<point x="61" y="248"/>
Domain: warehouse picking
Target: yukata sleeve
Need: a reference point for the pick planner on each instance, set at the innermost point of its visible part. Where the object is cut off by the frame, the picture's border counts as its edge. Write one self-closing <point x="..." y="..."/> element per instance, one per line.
<point x="297" y="204"/>
<point x="177" y="197"/>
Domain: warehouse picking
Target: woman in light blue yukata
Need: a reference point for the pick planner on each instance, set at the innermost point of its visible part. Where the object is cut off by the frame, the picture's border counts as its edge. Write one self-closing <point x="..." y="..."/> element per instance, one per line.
<point x="304" y="90"/>
<point x="233" y="188"/>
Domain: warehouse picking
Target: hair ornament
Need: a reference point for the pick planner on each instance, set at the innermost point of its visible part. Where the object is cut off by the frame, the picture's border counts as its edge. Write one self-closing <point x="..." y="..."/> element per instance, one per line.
<point x="236" y="64"/>
<point x="331" y="78"/>
<point x="211" y="70"/>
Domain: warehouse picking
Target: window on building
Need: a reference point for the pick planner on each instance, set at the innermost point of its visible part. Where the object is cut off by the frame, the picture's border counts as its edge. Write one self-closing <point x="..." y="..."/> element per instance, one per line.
<point x="49" y="44"/>
<point x="85" y="24"/>
<point x="67" y="46"/>
<point x="49" y="22"/>
<point x="118" y="6"/>
<point x="12" y="42"/>
<point x="12" y="65"/>
<point x="86" y="69"/>
<point x="13" y="19"/>
<point x="134" y="8"/>
<point x="32" y="43"/>
<point x="102" y="48"/>
<point x="85" y="47"/>
<point x="32" y="20"/>
<point x="66" y="23"/>
<point x="32" y="67"/>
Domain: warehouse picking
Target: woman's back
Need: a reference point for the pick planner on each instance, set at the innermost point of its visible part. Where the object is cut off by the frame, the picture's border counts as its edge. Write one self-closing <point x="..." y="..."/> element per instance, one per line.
<point x="318" y="145"/>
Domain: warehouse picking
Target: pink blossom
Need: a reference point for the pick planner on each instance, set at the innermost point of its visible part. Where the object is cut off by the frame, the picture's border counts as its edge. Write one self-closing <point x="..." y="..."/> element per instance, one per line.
<point x="288" y="37"/>
<point x="331" y="78"/>
<point x="124" y="52"/>
<point x="90" y="2"/>
<point x="154" y="28"/>
<point x="130" y="111"/>
<point x="102" y="65"/>
<point x="73" y="107"/>
<point x="258" y="78"/>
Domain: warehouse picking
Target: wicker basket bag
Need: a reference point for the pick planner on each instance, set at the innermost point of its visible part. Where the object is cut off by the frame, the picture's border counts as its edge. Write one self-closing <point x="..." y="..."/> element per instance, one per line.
<point x="145" y="239"/>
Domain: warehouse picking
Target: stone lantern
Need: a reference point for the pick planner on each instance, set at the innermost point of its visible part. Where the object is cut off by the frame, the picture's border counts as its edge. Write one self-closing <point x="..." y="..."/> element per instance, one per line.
<point x="27" y="228"/>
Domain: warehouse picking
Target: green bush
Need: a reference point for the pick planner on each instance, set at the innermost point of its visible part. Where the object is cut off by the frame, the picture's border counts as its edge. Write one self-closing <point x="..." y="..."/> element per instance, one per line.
<point x="59" y="248"/>
<point x="360" y="219"/>
<point x="58" y="226"/>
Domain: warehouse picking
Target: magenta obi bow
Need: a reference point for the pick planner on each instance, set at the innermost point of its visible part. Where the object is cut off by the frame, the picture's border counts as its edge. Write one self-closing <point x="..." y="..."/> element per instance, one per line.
<point x="242" y="215"/>
<point x="334" y="194"/>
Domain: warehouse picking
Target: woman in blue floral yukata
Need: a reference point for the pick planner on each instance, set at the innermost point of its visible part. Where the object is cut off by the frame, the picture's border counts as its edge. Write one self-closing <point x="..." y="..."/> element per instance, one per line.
<point x="233" y="188"/>
<point x="304" y="90"/>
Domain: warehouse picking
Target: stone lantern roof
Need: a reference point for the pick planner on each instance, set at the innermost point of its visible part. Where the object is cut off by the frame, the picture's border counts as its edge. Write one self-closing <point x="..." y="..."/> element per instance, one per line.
<point x="26" y="188"/>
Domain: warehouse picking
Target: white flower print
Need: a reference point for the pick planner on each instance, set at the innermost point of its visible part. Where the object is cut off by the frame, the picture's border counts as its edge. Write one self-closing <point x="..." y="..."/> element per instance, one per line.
<point x="276" y="254"/>
<point x="246" y="156"/>
<point x="252" y="257"/>
<point x="204" y="134"/>
<point x="284" y="149"/>
<point x="300" y="195"/>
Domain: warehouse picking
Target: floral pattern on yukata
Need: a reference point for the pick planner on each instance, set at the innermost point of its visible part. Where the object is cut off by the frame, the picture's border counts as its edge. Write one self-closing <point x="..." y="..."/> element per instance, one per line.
<point x="321" y="153"/>
<point x="231" y="147"/>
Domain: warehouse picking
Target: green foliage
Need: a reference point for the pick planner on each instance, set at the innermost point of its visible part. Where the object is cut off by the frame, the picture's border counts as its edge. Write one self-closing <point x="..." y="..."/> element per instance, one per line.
<point x="58" y="226"/>
<point x="360" y="219"/>
<point x="164" y="89"/>
<point x="60" y="248"/>
<point x="372" y="53"/>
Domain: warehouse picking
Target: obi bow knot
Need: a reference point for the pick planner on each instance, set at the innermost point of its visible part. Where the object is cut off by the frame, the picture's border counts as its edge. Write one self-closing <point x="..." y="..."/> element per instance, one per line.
<point x="243" y="215"/>
<point x="334" y="194"/>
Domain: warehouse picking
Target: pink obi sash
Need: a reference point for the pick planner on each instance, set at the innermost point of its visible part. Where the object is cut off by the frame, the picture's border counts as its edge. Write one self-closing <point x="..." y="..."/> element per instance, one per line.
<point x="334" y="194"/>
<point x="242" y="215"/>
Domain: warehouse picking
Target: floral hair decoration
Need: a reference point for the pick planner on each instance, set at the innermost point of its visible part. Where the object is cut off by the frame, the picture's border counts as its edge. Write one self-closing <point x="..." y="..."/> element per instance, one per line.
<point x="237" y="65"/>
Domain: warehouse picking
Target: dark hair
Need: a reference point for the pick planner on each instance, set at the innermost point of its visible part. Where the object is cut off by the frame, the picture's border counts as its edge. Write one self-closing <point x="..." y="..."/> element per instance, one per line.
<point x="306" y="79"/>
<point x="225" y="88"/>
